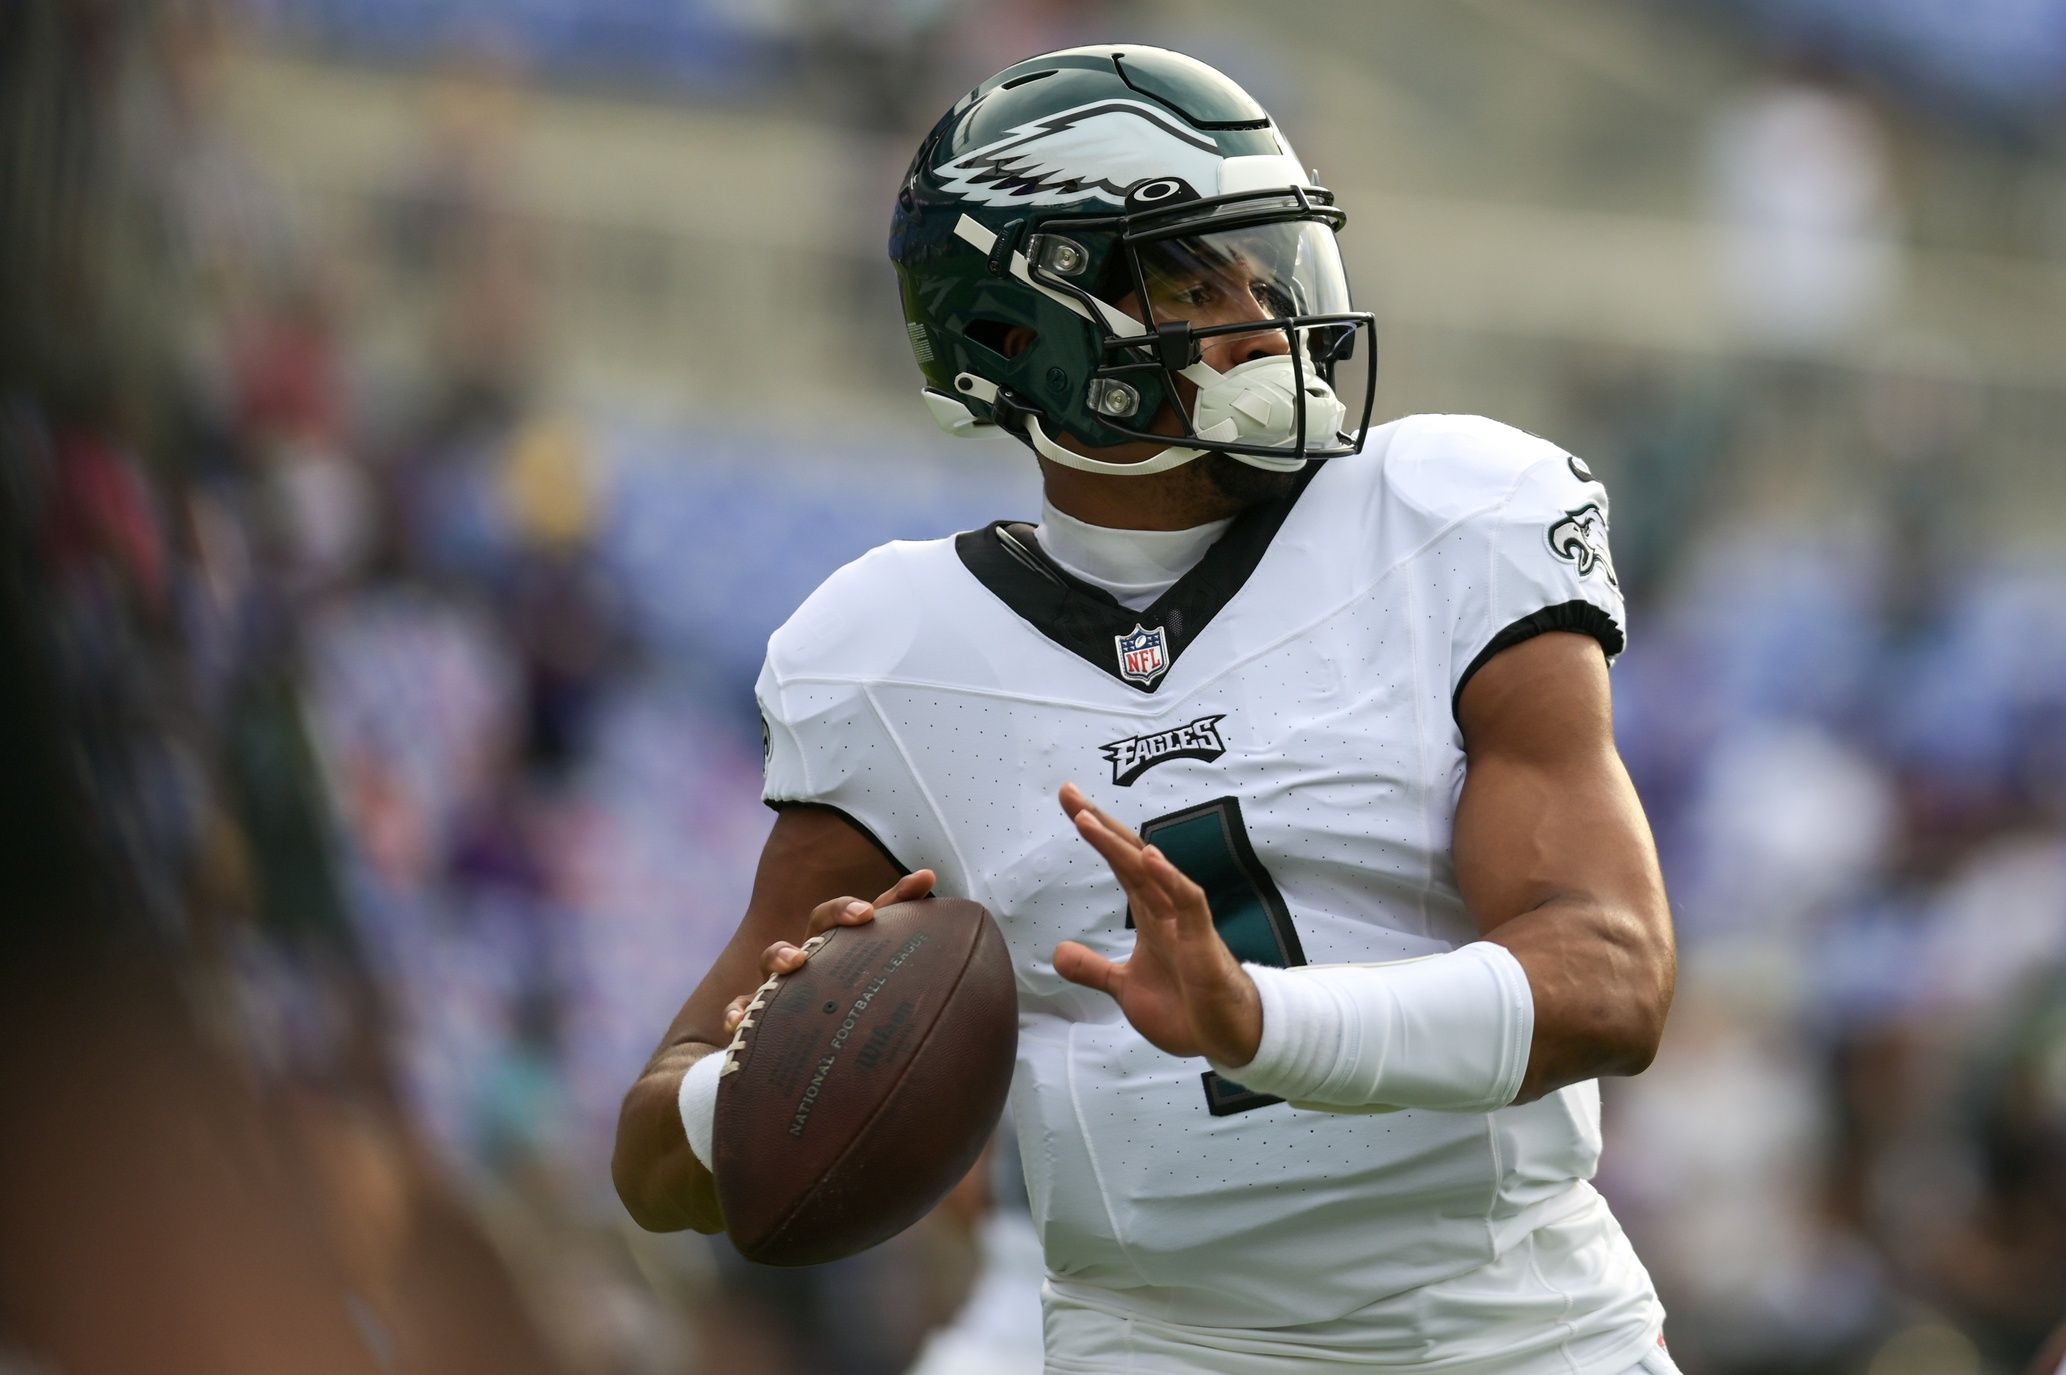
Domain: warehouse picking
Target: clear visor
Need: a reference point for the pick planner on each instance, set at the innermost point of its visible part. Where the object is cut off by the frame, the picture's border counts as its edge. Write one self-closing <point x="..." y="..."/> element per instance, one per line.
<point x="1227" y="278"/>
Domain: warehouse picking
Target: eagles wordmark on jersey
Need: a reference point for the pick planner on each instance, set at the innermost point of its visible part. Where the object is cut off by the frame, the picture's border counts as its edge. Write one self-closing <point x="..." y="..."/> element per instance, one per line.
<point x="1300" y="758"/>
<point x="1136" y="754"/>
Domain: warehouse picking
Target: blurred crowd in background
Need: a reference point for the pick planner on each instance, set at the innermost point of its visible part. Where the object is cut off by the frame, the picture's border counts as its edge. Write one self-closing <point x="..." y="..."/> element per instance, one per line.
<point x="411" y="645"/>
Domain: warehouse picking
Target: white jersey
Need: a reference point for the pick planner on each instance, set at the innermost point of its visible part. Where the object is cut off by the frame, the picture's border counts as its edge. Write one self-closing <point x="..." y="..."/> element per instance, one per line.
<point x="1281" y="722"/>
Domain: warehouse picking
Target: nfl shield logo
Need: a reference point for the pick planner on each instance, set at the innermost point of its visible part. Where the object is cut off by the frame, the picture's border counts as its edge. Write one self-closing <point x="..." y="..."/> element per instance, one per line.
<point x="1141" y="656"/>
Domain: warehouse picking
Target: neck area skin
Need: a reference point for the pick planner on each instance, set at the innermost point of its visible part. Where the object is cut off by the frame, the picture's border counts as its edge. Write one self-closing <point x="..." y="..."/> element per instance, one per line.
<point x="1212" y="487"/>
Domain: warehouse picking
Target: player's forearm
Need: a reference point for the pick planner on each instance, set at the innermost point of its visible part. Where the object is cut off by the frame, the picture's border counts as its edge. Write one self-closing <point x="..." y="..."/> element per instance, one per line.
<point x="1602" y="974"/>
<point x="1567" y="991"/>
<point x="663" y="1185"/>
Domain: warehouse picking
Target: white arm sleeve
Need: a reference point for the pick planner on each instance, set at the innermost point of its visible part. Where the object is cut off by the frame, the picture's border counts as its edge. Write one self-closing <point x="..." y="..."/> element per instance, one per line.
<point x="1450" y="1032"/>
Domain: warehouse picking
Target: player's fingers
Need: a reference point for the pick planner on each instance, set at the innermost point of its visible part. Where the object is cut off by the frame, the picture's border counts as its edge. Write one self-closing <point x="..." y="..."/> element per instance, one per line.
<point x="841" y="911"/>
<point x="1186" y="899"/>
<point x="782" y="958"/>
<point x="1119" y="829"/>
<point x="1124" y="859"/>
<point x="735" y="1012"/>
<point x="1153" y="916"/>
<point x="1076" y="804"/>
<point x="1079" y="964"/>
<point x="1159" y="899"/>
<point x="1115" y="843"/>
<point x="913" y="885"/>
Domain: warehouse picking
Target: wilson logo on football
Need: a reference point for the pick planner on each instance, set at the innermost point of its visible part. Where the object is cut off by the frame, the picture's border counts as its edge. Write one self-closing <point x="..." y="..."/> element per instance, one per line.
<point x="1135" y="755"/>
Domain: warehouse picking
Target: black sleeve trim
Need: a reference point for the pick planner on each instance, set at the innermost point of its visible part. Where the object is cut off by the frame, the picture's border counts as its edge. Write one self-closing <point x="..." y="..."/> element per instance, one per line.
<point x="1580" y="616"/>
<point x="783" y="804"/>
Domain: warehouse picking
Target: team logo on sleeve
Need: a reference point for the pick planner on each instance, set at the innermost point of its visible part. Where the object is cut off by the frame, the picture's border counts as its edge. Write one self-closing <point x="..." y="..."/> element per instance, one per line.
<point x="1143" y="654"/>
<point x="1091" y="152"/>
<point x="1580" y="539"/>
<point x="1135" y="755"/>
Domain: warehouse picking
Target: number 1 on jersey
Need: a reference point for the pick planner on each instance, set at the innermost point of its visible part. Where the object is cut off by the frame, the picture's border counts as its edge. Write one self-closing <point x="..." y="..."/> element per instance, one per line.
<point x="1209" y="844"/>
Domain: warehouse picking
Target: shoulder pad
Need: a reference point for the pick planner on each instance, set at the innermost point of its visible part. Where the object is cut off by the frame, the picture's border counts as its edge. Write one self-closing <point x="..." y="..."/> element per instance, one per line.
<point x="863" y="619"/>
<point x="1450" y="466"/>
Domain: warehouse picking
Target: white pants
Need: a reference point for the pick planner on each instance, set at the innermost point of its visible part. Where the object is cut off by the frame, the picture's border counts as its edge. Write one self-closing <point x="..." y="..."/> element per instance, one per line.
<point x="1658" y="1362"/>
<point x="1081" y="1342"/>
<point x="957" y="1353"/>
<point x="999" y="1332"/>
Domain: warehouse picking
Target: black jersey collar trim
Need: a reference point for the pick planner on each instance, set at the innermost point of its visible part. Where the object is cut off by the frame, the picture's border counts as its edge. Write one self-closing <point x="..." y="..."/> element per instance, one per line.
<point x="1087" y="621"/>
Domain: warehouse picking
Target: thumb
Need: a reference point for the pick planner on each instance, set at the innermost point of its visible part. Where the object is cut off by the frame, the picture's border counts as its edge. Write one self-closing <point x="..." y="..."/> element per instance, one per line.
<point x="1079" y="964"/>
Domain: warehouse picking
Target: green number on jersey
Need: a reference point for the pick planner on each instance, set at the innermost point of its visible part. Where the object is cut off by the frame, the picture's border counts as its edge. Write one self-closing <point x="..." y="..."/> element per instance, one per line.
<point x="1209" y="843"/>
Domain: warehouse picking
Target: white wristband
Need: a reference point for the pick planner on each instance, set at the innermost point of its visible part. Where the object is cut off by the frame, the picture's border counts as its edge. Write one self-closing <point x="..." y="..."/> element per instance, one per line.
<point x="698" y="1103"/>
<point x="1447" y="1031"/>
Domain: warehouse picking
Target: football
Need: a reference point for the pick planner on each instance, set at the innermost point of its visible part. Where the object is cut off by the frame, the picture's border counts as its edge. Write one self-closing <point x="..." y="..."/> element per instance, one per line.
<point x="862" y="1087"/>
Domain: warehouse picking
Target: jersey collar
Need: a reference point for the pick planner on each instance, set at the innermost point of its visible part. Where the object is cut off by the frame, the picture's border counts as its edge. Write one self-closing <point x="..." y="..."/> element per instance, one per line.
<point x="1087" y="621"/>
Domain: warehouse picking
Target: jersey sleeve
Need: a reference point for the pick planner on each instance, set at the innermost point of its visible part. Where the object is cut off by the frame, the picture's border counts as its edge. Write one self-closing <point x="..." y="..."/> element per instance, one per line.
<point x="823" y="742"/>
<point x="784" y="779"/>
<point x="1512" y="540"/>
<point x="1536" y="561"/>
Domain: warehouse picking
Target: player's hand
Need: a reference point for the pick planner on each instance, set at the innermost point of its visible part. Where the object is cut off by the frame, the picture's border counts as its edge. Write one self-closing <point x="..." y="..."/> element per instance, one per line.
<point x="784" y="958"/>
<point x="1182" y="988"/>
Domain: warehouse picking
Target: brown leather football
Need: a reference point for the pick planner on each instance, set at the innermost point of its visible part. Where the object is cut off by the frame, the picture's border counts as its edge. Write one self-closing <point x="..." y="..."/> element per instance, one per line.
<point x="862" y="1087"/>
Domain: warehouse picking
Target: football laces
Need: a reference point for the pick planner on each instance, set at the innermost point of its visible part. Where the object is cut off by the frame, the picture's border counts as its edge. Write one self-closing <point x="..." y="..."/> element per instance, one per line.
<point x="760" y="1001"/>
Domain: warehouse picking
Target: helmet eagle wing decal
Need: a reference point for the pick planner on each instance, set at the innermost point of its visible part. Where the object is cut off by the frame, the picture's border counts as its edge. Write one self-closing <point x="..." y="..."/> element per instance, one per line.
<point x="1123" y="163"/>
<point x="1096" y="150"/>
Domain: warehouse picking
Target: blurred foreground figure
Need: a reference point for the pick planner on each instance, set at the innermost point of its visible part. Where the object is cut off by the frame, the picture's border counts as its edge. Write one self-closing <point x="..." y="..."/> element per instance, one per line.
<point x="152" y="1221"/>
<point x="1309" y="1040"/>
<point x="997" y="1329"/>
<point x="167" y="1209"/>
<point x="181" y="1192"/>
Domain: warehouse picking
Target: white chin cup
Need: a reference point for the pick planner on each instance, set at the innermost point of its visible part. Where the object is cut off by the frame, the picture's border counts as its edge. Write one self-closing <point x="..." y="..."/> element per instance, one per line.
<point x="1258" y="402"/>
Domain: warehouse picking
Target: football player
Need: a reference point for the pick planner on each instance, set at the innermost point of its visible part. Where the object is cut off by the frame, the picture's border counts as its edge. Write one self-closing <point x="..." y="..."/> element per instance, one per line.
<point x="1280" y="746"/>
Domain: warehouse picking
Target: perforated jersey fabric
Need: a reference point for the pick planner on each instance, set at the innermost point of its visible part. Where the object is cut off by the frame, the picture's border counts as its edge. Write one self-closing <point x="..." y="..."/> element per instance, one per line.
<point x="1299" y="741"/>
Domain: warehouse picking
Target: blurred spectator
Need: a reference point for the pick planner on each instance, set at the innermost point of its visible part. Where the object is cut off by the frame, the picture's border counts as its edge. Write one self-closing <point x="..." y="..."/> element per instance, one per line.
<point x="1801" y="194"/>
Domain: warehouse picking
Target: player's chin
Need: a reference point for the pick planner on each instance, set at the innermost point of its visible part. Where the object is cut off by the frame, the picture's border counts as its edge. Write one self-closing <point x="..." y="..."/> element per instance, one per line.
<point x="1245" y="483"/>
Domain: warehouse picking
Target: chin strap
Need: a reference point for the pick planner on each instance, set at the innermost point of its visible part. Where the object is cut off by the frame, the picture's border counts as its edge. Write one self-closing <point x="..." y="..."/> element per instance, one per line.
<point x="957" y="419"/>
<point x="1172" y="457"/>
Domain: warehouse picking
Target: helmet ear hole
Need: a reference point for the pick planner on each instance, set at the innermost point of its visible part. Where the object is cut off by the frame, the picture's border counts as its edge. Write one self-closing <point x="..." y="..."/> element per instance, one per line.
<point x="1000" y="337"/>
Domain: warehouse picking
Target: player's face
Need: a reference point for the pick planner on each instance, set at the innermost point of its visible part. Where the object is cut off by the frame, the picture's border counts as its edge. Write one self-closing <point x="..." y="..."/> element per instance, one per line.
<point x="1203" y="283"/>
<point x="1236" y="277"/>
<point x="1247" y="277"/>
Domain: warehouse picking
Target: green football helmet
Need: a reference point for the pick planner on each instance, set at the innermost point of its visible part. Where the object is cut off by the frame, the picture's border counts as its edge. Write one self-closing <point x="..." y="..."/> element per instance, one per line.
<point x="1080" y="230"/>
